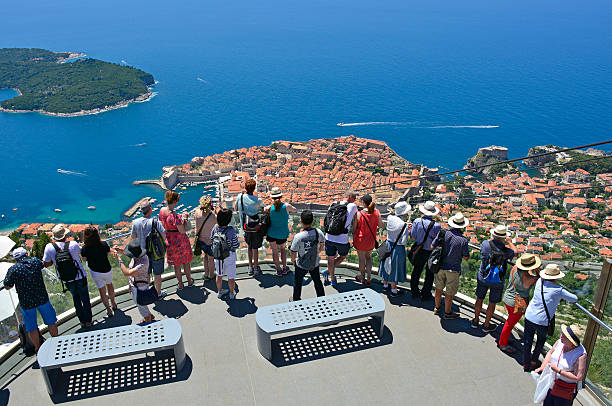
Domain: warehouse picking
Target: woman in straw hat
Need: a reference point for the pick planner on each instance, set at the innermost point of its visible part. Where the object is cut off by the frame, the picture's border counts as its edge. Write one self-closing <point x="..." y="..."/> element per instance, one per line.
<point x="278" y="230"/>
<point x="393" y="269"/>
<point x="205" y="220"/>
<point x="522" y="278"/>
<point x="567" y="358"/>
<point x="547" y="295"/>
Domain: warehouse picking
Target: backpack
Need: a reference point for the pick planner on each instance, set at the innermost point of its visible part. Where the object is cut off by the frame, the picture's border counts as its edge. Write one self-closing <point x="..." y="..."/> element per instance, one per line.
<point x="308" y="261"/>
<point x="257" y="223"/>
<point x="495" y="271"/>
<point x="335" y="219"/>
<point x="67" y="268"/>
<point x="155" y="244"/>
<point x="434" y="263"/>
<point x="220" y="246"/>
<point x="26" y="344"/>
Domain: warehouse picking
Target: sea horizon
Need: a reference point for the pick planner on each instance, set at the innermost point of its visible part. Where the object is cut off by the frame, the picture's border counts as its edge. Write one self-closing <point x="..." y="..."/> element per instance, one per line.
<point x="434" y="81"/>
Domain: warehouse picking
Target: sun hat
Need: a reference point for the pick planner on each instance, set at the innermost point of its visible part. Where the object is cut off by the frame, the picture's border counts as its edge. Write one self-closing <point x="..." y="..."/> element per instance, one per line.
<point x="551" y="272"/>
<point x="402" y="208"/>
<point x="19" y="252"/>
<point x="134" y="250"/>
<point x="205" y="202"/>
<point x="528" y="262"/>
<point x="429" y="208"/>
<point x="458" y="221"/>
<point x="6" y="245"/>
<point x="500" y="231"/>
<point x="59" y="232"/>
<point x="145" y="205"/>
<point x="572" y="333"/>
<point x="276" y="193"/>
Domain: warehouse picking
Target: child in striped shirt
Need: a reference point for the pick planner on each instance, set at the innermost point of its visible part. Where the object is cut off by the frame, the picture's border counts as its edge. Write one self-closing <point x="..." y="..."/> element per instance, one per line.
<point x="227" y="266"/>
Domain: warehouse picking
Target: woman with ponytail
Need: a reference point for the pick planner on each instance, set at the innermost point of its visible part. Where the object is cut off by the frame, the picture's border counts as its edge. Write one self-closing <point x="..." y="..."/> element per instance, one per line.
<point x="278" y="230"/>
<point x="364" y="237"/>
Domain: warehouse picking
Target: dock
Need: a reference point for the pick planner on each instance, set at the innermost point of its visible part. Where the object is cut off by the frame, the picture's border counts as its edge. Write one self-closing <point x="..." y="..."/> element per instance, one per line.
<point x="132" y="210"/>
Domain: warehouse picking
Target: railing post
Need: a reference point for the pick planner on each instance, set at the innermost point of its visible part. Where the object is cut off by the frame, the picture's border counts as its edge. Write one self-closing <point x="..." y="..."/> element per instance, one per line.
<point x="599" y="305"/>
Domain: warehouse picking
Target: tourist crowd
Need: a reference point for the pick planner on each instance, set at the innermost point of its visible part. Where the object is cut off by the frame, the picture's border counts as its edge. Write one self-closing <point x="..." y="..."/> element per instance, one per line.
<point x="430" y="247"/>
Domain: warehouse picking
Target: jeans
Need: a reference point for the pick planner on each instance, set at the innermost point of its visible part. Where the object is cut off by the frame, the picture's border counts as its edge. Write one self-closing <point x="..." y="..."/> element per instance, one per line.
<point x="80" y="298"/>
<point x="530" y="330"/>
<point x="420" y="262"/>
<point x="513" y="318"/>
<point x="299" y="278"/>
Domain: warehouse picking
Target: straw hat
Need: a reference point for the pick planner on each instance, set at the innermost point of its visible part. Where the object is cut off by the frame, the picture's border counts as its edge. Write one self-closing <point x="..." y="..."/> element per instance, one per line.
<point x="500" y="231"/>
<point x="276" y="193"/>
<point x="572" y="333"/>
<point x="59" y="232"/>
<point x="529" y="262"/>
<point x="458" y="221"/>
<point x="134" y="250"/>
<point x="205" y="202"/>
<point x="402" y="208"/>
<point x="429" y="208"/>
<point x="551" y="272"/>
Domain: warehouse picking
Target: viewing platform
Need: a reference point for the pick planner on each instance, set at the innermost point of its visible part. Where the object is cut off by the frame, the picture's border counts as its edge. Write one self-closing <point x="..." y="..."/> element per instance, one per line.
<point x="421" y="359"/>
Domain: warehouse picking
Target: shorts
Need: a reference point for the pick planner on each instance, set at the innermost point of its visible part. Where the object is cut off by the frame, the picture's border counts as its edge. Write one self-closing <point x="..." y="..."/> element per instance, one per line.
<point x="449" y="280"/>
<point x="46" y="311"/>
<point x="102" y="278"/>
<point x="253" y="239"/>
<point x="156" y="267"/>
<point x="206" y="248"/>
<point x="279" y="241"/>
<point x="227" y="267"/>
<point x="495" y="296"/>
<point x="331" y="248"/>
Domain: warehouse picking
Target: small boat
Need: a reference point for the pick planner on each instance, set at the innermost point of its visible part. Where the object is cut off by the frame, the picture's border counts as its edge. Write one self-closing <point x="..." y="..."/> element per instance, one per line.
<point x="153" y="201"/>
<point x="3" y="216"/>
<point x="183" y="188"/>
<point x="58" y="210"/>
<point x="340" y="124"/>
<point x="91" y="207"/>
<point x="15" y="209"/>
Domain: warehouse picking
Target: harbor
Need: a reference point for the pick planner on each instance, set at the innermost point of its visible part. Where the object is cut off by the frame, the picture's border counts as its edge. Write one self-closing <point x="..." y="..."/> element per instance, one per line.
<point x="134" y="209"/>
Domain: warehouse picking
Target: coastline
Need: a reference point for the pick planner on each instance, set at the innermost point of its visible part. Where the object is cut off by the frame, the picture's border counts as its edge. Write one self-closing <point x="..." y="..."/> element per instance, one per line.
<point x="124" y="103"/>
<point x="71" y="55"/>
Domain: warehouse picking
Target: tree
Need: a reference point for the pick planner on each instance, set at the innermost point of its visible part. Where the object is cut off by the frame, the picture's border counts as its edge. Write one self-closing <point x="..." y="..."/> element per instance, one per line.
<point x="15" y="237"/>
<point x="38" y="249"/>
<point x="467" y="197"/>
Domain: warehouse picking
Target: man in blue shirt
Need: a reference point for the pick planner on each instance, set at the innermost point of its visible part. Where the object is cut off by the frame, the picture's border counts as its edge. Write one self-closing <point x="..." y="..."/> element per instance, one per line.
<point x="26" y="276"/>
<point x="424" y="231"/>
<point x="455" y="249"/>
<point x="500" y="237"/>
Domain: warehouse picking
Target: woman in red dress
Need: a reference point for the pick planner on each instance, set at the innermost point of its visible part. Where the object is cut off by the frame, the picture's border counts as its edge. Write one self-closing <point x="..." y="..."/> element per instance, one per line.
<point x="179" y="248"/>
<point x="364" y="237"/>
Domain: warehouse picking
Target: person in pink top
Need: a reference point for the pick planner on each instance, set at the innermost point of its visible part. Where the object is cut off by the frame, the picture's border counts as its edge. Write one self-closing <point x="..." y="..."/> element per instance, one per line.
<point x="179" y="251"/>
<point x="364" y="237"/>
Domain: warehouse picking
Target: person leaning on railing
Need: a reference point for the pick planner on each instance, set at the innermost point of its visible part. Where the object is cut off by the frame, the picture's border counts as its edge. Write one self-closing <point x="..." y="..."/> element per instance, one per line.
<point x="541" y="311"/>
<point x="365" y="226"/>
<point x="424" y="230"/>
<point x="567" y="358"/>
<point x="522" y="278"/>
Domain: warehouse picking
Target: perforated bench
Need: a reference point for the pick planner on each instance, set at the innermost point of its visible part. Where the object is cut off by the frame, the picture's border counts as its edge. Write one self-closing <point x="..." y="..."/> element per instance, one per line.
<point x="320" y="311"/>
<point x="63" y="351"/>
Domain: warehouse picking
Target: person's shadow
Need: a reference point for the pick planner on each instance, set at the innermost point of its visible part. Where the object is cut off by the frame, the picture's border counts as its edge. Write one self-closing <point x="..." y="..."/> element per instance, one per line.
<point x="173" y="308"/>
<point x="241" y="307"/>
<point x="194" y="294"/>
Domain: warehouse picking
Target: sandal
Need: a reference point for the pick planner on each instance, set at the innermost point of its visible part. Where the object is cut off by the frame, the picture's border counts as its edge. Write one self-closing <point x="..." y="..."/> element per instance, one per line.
<point x="368" y="282"/>
<point x="109" y="313"/>
<point x="359" y="278"/>
<point x="190" y="283"/>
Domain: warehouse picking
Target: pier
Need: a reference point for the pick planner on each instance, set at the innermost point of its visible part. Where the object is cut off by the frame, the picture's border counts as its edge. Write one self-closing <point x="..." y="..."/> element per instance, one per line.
<point x="132" y="210"/>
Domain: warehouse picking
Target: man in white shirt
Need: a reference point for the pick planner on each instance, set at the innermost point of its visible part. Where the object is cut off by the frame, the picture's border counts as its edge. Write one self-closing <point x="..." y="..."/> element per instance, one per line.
<point x="78" y="285"/>
<point x="337" y="246"/>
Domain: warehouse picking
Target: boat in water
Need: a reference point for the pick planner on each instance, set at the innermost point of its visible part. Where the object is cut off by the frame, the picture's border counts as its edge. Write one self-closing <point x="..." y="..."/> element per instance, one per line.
<point x="91" y="207"/>
<point x="58" y="210"/>
<point x="340" y="124"/>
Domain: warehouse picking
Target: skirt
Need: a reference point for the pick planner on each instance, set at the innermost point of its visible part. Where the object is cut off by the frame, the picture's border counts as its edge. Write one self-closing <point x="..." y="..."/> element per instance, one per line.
<point x="397" y="262"/>
<point x="179" y="249"/>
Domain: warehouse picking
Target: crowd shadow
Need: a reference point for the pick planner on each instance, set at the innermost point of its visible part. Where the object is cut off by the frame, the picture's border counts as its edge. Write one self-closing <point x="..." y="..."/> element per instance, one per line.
<point x="194" y="294"/>
<point x="328" y="343"/>
<point x="173" y="308"/>
<point x="5" y="394"/>
<point x="118" y="377"/>
<point x="241" y="307"/>
<point x="119" y="319"/>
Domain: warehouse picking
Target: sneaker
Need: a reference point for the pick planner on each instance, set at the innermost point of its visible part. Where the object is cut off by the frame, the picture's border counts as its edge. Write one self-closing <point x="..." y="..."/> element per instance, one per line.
<point x="490" y="329"/>
<point x="251" y="271"/>
<point x="334" y="282"/>
<point x="162" y="295"/>
<point x="508" y="349"/>
<point x="396" y="294"/>
<point x="451" y="316"/>
<point x="385" y="288"/>
<point x="232" y="296"/>
<point x="436" y="311"/>
<point x="325" y="277"/>
<point x="257" y="270"/>
<point x="286" y="270"/>
<point x="474" y="324"/>
<point x="222" y="293"/>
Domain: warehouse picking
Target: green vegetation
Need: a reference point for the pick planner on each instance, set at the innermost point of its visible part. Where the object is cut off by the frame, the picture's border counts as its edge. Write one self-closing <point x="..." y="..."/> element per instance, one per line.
<point x="54" y="87"/>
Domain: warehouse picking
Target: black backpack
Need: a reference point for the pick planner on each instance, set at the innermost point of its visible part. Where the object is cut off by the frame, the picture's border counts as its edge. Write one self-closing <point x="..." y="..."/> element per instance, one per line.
<point x="156" y="246"/>
<point x="335" y="219"/>
<point x="495" y="270"/>
<point x="67" y="268"/>
<point x="434" y="263"/>
<point x="220" y="246"/>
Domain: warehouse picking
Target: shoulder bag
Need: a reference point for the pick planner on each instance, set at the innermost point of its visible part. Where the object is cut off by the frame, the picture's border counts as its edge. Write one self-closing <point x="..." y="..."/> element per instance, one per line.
<point x="415" y="248"/>
<point x="197" y="250"/>
<point x="384" y="252"/>
<point x="145" y="297"/>
<point x="520" y="304"/>
<point x="551" y="321"/>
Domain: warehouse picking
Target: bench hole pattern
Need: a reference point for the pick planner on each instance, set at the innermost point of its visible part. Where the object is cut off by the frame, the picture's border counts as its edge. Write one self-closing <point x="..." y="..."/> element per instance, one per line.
<point x="322" y="309"/>
<point x="100" y="342"/>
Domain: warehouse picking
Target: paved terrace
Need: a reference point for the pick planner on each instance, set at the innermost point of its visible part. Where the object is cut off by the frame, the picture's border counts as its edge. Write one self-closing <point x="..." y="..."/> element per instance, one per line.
<point x="420" y="360"/>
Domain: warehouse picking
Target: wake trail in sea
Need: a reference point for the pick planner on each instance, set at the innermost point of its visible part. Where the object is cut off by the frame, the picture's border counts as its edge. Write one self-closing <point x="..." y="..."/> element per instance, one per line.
<point x="202" y="80"/>
<point x="377" y="123"/>
<point x="463" y="126"/>
<point x="73" y="173"/>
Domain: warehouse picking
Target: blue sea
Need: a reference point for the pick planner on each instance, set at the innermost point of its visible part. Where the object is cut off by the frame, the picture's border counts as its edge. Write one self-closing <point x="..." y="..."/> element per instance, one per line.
<point x="271" y="69"/>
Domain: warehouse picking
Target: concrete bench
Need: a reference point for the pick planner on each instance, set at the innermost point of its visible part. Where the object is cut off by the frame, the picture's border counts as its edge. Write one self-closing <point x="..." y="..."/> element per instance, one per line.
<point x="320" y="311"/>
<point x="80" y="348"/>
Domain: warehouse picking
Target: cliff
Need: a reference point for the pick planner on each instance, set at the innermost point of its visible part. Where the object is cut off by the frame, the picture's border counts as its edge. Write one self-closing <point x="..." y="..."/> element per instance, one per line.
<point x="489" y="155"/>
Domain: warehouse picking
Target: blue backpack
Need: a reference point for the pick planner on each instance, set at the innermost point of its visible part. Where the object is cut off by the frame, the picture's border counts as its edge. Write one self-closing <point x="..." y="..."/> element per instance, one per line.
<point x="495" y="271"/>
